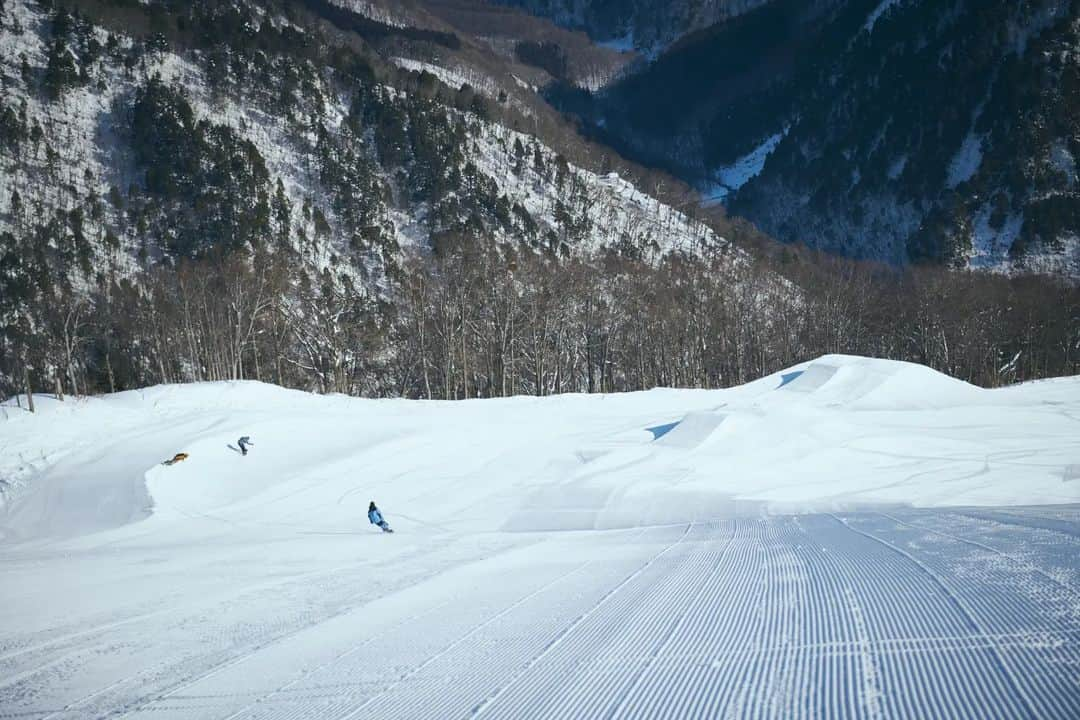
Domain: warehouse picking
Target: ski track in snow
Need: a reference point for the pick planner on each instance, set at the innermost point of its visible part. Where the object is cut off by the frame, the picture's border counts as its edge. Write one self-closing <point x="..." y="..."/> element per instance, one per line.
<point x="905" y="613"/>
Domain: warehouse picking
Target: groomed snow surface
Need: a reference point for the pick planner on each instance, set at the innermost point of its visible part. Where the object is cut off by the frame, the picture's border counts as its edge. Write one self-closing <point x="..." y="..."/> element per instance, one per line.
<point x="849" y="538"/>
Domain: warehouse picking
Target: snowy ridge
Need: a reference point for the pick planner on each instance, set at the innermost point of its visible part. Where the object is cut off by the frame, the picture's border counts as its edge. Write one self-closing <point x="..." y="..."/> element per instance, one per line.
<point x="453" y="77"/>
<point x="373" y="11"/>
<point x="457" y="75"/>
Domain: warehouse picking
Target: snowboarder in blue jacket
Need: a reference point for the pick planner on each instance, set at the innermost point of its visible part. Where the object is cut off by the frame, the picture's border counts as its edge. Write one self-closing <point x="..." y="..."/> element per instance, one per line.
<point x="376" y="518"/>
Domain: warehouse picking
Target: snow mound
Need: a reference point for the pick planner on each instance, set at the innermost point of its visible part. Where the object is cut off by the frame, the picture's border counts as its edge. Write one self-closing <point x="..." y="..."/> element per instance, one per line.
<point x="865" y="383"/>
<point x="838" y="432"/>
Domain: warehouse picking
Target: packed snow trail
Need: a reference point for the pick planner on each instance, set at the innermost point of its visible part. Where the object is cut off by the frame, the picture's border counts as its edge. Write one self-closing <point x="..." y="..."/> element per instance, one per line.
<point x="753" y="552"/>
<point x="900" y="614"/>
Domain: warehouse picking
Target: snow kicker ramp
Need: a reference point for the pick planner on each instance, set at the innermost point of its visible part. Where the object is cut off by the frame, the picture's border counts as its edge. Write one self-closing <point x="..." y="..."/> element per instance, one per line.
<point x="810" y="379"/>
<point x="693" y="431"/>
<point x="630" y="485"/>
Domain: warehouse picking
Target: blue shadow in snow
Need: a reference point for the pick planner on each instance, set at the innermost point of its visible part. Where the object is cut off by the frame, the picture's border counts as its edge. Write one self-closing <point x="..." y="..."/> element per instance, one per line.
<point x="660" y="431"/>
<point x="785" y="379"/>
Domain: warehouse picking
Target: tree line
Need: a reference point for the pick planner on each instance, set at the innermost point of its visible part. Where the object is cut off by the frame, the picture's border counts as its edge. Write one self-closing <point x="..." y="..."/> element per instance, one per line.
<point x="470" y="321"/>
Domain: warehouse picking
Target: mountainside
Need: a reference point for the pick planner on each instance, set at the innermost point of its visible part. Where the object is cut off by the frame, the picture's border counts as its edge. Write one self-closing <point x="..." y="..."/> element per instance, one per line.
<point x="645" y="25"/>
<point x="230" y="128"/>
<point x="376" y="197"/>
<point x="898" y="130"/>
<point x="337" y="141"/>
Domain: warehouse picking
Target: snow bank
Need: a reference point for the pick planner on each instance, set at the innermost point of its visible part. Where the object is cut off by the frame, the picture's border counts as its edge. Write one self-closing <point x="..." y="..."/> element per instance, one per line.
<point x="838" y="432"/>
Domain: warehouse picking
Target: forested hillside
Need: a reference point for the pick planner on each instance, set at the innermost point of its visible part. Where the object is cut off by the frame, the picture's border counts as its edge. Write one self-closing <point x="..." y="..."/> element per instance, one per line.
<point x="645" y="25"/>
<point x="141" y="139"/>
<point x="897" y="130"/>
<point x="363" y="197"/>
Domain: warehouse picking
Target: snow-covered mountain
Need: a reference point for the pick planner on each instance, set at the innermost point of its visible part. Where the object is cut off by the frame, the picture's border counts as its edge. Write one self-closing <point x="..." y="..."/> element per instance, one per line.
<point x="145" y="134"/>
<point x="897" y="130"/>
<point x="150" y="150"/>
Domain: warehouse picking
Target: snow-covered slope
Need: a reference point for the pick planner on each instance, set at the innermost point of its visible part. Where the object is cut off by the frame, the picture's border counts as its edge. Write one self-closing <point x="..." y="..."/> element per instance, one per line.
<point x="566" y="557"/>
<point x="837" y="432"/>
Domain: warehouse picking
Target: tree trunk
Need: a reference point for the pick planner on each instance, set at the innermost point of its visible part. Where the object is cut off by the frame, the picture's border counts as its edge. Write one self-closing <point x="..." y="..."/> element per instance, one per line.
<point x="108" y="368"/>
<point x="423" y="358"/>
<point x="72" y="379"/>
<point x="29" y="392"/>
<point x="464" y="357"/>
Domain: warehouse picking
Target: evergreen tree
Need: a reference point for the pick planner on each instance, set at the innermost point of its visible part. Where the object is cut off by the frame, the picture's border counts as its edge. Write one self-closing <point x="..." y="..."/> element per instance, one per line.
<point x="282" y="211"/>
<point x="60" y="70"/>
<point x="519" y="156"/>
